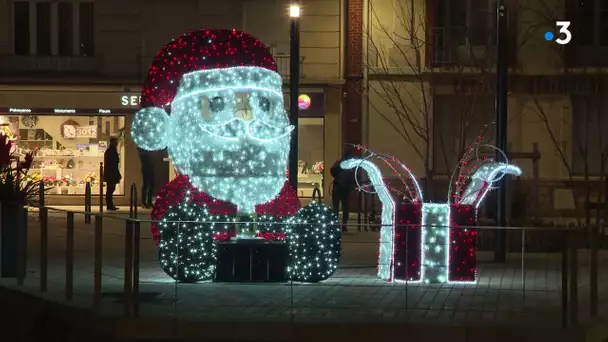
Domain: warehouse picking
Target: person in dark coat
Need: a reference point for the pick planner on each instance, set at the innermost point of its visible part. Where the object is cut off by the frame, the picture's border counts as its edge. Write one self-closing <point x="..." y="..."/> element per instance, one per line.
<point x="343" y="185"/>
<point x="111" y="173"/>
<point x="147" y="172"/>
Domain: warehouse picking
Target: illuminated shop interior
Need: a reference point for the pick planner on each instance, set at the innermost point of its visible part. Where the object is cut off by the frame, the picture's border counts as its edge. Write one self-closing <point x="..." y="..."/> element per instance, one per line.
<point x="68" y="149"/>
<point x="311" y="145"/>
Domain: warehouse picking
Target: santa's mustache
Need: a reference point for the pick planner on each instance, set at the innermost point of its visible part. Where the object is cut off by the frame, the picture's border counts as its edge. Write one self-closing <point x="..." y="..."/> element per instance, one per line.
<point x="255" y="130"/>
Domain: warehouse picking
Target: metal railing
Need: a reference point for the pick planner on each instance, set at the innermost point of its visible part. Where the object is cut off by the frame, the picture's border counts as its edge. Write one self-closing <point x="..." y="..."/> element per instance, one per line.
<point x="558" y="288"/>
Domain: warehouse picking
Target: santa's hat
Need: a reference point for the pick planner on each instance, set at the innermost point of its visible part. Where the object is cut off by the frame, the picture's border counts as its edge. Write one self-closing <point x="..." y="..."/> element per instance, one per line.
<point x="194" y="63"/>
<point x="197" y="51"/>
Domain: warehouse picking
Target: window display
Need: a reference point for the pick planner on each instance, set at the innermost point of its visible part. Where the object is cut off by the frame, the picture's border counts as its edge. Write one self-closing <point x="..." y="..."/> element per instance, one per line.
<point x="310" y="152"/>
<point x="68" y="150"/>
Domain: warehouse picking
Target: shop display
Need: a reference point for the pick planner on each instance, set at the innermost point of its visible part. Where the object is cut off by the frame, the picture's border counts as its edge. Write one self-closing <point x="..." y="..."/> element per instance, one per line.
<point x="67" y="150"/>
<point x="310" y="178"/>
<point x="423" y="242"/>
<point x="228" y="136"/>
<point x="29" y="120"/>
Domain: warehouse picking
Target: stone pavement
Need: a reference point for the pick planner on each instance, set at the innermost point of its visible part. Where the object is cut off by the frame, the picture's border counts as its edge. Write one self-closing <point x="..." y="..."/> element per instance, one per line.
<point x="504" y="294"/>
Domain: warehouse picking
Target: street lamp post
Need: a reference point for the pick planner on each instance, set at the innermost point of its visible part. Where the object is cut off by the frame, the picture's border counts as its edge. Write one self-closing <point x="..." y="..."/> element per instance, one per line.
<point x="500" y="250"/>
<point x="294" y="90"/>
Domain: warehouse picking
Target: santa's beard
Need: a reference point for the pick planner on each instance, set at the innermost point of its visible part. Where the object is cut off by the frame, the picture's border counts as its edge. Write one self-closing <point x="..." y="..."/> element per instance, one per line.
<point x="245" y="171"/>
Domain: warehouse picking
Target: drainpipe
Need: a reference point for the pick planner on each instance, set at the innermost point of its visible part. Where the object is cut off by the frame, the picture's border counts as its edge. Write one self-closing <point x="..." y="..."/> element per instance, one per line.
<point x="365" y="95"/>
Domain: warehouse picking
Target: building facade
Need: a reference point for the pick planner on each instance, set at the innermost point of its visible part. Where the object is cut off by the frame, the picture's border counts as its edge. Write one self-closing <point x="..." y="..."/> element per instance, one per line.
<point x="429" y="69"/>
<point x="70" y="73"/>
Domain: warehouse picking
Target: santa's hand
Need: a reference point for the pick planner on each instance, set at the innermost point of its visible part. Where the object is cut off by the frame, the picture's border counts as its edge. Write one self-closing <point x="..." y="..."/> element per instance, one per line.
<point x="150" y="129"/>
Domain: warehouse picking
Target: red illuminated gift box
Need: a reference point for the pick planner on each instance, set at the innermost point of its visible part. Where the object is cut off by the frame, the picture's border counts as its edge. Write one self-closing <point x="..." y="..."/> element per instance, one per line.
<point x="407" y="244"/>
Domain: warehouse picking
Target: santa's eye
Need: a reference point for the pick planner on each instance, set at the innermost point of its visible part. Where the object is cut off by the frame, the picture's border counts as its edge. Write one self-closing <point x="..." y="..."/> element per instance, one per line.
<point x="264" y="104"/>
<point x="217" y="104"/>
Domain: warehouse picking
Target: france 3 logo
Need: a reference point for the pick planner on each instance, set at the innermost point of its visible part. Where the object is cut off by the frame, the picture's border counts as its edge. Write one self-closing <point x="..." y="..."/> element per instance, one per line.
<point x="564" y="35"/>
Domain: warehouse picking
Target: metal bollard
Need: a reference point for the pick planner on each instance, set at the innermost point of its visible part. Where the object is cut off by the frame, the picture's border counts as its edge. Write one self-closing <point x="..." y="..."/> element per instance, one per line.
<point x="87" y="203"/>
<point x="136" y="256"/>
<point x="128" y="285"/>
<point x="44" y="243"/>
<point x="133" y="202"/>
<point x="101" y="187"/>
<point x="69" y="257"/>
<point x="316" y="194"/>
<point x="98" y="262"/>
<point x="40" y="199"/>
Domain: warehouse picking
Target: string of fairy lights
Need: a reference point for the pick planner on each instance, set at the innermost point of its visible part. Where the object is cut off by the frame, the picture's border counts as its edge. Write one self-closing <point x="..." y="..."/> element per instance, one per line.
<point x="214" y="100"/>
<point x="437" y="232"/>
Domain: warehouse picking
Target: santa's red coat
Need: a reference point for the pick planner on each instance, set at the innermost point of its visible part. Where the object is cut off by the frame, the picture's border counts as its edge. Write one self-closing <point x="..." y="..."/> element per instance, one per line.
<point x="286" y="203"/>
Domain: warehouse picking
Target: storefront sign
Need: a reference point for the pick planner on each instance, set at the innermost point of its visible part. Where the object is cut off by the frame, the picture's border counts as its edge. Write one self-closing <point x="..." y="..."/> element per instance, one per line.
<point x="73" y="132"/>
<point x="130" y="100"/>
<point x="20" y="110"/>
<point x="304" y="102"/>
<point x="72" y="111"/>
<point x="310" y="105"/>
<point x="64" y="111"/>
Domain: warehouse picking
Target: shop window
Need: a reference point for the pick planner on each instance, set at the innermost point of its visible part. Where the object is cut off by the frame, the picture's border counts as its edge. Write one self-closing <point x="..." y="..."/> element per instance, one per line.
<point x="311" y="145"/>
<point x="68" y="149"/>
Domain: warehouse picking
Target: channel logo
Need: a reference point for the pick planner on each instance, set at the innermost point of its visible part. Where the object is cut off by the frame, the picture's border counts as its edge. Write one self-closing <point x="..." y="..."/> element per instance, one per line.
<point x="564" y="37"/>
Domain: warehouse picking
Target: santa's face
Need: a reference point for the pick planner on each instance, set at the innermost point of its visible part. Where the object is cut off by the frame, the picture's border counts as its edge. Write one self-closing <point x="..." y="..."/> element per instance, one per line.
<point x="230" y="134"/>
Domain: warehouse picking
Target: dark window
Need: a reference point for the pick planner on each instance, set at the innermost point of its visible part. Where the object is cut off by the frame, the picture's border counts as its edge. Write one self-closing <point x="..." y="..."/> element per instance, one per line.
<point x="22" y="27"/>
<point x="604" y="23"/>
<point x="589" y="22"/>
<point x="86" y="29"/>
<point x="457" y="28"/>
<point x="471" y="21"/>
<point x="66" y="28"/>
<point x="43" y="28"/>
<point x="589" y="144"/>
<point x="585" y="20"/>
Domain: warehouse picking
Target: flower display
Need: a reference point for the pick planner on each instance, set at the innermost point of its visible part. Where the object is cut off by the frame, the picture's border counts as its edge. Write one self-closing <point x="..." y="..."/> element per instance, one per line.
<point x="68" y="180"/>
<point x="317" y="168"/>
<point x="49" y="180"/>
<point x="91" y="177"/>
<point x="16" y="184"/>
<point x="5" y="130"/>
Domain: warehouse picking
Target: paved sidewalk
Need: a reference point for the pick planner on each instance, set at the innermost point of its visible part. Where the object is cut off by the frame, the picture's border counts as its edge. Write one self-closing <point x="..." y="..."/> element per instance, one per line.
<point x="504" y="294"/>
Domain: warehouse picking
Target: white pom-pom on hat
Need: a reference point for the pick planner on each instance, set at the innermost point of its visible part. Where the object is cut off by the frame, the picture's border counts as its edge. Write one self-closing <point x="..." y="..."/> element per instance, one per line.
<point x="150" y="128"/>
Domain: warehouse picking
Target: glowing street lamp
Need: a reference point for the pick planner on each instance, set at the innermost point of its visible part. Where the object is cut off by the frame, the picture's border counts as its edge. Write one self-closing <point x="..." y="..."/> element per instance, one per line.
<point x="294" y="90"/>
<point x="294" y="11"/>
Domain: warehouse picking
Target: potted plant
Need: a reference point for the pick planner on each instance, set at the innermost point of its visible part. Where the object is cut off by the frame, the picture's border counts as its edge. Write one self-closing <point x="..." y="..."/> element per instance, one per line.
<point x="17" y="189"/>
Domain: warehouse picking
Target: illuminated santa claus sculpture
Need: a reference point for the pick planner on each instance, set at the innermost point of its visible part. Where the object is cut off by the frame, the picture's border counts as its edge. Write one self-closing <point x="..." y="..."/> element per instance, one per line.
<point x="214" y="100"/>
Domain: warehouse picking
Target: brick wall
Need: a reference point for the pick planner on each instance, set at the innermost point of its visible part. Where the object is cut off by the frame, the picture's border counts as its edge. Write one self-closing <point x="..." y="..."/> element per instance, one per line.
<point x="351" y="110"/>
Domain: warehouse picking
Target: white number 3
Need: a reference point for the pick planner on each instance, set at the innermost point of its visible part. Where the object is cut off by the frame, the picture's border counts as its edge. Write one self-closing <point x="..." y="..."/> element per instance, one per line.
<point x="563" y="25"/>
